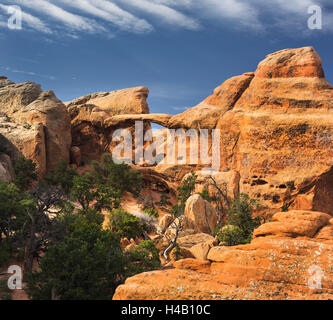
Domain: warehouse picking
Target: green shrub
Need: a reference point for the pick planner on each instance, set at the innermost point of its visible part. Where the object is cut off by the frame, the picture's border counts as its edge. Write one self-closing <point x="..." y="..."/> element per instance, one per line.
<point x="231" y="235"/>
<point x="285" y="208"/>
<point x="145" y="257"/>
<point x="205" y="195"/>
<point x="87" y="265"/>
<point x="13" y="206"/>
<point x="6" y="252"/>
<point x="5" y="296"/>
<point x="125" y="224"/>
<point x="164" y="201"/>
<point x="240" y="215"/>
<point x="241" y="223"/>
<point x="176" y="253"/>
<point x="186" y="189"/>
<point x="151" y="212"/>
<point x="117" y="176"/>
<point x="62" y="176"/>
<point x="25" y="173"/>
<point x="5" y="292"/>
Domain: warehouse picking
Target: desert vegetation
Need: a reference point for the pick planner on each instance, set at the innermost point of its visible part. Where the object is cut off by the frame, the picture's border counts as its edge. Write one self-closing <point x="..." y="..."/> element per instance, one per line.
<point x="58" y="223"/>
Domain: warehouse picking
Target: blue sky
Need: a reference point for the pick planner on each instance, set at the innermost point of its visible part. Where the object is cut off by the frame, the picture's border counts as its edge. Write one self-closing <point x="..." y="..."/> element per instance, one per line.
<point x="180" y="49"/>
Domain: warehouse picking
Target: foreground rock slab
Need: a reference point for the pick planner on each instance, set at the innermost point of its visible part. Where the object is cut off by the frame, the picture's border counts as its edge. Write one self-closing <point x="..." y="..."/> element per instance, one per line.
<point x="276" y="265"/>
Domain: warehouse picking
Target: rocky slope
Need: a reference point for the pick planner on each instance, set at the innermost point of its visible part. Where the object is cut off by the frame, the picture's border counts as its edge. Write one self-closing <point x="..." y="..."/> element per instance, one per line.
<point x="282" y="262"/>
<point x="276" y="145"/>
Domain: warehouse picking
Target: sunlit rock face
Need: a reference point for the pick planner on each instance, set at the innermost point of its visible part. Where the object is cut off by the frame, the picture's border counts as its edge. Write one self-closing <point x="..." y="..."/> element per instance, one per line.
<point x="95" y="117"/>
<point x="279" y="133"/>
<point x="34" y="124"/>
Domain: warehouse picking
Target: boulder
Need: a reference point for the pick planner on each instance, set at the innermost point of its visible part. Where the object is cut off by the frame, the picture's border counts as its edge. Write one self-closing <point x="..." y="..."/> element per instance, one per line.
<point x="186" y="240"/>
<point x="165" y="222"/>
<point x="124" y="242"/>
<point x="191" y="240"/>
<point x="200" y="251"/>
<point x="200" y="215"/>
<point x="24" y="140"/>
<point x="314" y="194"/>
<point x="294" y="224"/>
<point x="193" y="264"/>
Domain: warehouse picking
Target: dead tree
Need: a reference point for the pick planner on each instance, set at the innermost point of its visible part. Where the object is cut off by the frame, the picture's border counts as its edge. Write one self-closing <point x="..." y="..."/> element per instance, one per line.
<point x="177" y="224"/>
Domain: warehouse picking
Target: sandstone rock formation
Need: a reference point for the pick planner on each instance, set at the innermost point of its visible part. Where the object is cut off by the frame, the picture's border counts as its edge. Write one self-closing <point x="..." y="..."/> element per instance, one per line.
<point x="95" y="117"/>
<point x="34" y="124"/>
<point x="52" y="114"/>
<point x="24" y="140"/>
<point x="314" y="194"/>
<point x="158" y="118"/>
<point x="293" y="224"/>
<point x="126" y="101"/>
<point x="278" y="134"/>
<point x="228" y="182"/>
<point x="14" y="96"/>
<point x="276" y="129"/>
<point x="278" y="264"/>
<point x="207" y="113"/>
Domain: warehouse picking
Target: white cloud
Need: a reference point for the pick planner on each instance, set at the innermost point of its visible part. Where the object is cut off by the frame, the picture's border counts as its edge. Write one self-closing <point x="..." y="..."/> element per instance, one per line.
<point x="30" y="73"/>
<point x="32" y="21"/>
<point x="74" y="17"/>
<point x="112" y="13"/>
<point x="73" y="21"/>
<point x="236" y="12"/>
<point x="165" y="13"/>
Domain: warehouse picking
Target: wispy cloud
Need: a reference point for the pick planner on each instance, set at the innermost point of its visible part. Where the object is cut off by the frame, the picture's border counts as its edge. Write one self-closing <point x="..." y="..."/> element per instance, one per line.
<point x="110" y="12"/>
<point x="165" y="13"/>
<point x="29" y="73"/>
<point x="71" y="20"/>
<point x="31" y="21"/>
<point x="74" y="17"/>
